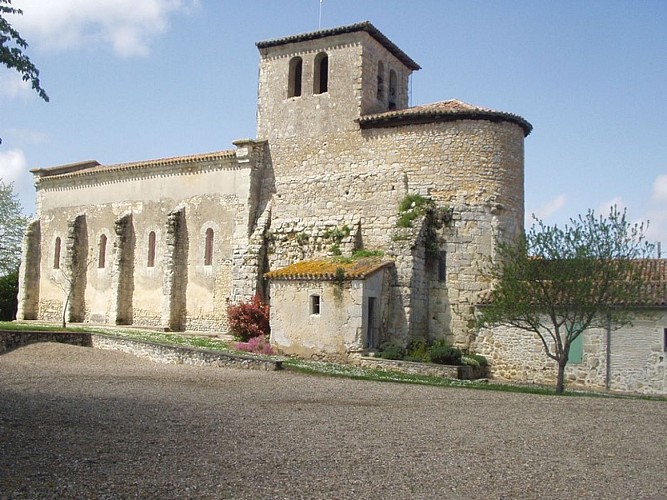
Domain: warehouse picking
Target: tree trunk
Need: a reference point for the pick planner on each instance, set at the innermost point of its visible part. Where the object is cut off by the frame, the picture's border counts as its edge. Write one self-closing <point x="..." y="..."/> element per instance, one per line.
<point x="560" y="382"/>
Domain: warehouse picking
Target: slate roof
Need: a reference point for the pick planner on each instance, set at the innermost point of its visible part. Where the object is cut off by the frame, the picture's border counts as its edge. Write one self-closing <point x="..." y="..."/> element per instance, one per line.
<point x="325" y="270"/>
<point x="450" y="110"/>
<point x="92" y="167"/>
<point x="352" y="28"/>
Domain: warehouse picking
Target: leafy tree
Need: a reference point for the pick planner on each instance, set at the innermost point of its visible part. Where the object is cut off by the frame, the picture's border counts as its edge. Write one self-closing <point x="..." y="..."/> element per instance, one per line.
<point x="557" y="282"/>
<point x="12" y="47"/>
<point x="9" y="289"/>
<point x="12" y="225"/>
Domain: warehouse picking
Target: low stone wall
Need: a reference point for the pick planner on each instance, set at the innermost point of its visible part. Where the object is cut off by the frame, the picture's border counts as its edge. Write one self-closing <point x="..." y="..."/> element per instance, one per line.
<point x="183" y="355"/>
<point x="428" y="369"/>
<point x="10" y="340"/>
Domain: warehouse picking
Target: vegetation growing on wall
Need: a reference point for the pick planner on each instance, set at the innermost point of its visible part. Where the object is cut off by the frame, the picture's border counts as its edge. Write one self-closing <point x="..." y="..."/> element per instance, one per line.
<point x="336" y="235"/>
<point x="411" y="207"/>
<point x="414" y="206"/>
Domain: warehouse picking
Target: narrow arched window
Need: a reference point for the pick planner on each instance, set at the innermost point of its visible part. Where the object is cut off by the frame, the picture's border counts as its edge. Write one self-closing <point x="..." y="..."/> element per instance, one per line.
<point x="151" y="249"/>
<point x="56" y="254"/>
<point x="101" y="256"/>
<point x="392" y="89"/>
<point x="321" y="75"/>
<point x="295" y="75"/>
<point x="208" y="248"/>
<point x="380" y="89"/>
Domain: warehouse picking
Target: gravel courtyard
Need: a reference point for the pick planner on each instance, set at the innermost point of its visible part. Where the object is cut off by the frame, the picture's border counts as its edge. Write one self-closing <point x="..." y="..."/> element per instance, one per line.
<point x="77" y="422"/>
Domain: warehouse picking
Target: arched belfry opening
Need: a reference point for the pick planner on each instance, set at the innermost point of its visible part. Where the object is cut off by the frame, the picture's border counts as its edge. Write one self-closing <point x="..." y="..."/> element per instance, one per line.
<point x="321" y="74"/>
<point x="295" y="77"/>
<point x="318" y="83"/>
<point x="393" y="89"/>
<point x="380" y="82"/>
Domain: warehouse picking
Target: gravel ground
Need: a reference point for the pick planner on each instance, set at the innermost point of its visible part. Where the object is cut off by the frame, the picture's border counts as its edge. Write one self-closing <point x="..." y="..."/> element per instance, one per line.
<point x="82" y="423"/>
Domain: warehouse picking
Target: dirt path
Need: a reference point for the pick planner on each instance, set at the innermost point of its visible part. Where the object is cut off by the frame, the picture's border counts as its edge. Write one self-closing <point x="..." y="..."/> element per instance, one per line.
<point x="82" y="423"/>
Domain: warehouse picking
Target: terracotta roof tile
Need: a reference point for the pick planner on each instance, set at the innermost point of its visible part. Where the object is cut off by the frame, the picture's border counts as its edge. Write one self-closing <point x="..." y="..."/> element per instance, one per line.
<point x="325" y="270"/>
<point x="352" y="28"/>
<point x="93" y="167"/>
<point x="450" y="110"/>
<point x="654" y="276"/>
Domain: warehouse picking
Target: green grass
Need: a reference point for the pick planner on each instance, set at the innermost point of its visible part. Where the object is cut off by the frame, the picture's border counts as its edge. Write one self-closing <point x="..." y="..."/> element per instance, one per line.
<point x="319" y="368"/>
<point x="129" y="333"/>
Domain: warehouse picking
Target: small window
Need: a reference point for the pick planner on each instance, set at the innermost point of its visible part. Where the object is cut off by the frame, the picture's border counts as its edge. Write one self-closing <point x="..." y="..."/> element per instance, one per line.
<point x="151" y="249"/>
<point x="101" y="256"/>
<point x="321" y="75"/>
<point x="295" y="75"/>
<point x="442" y="266"/>
<point x="393" y="92"/>
<point x="576" y="355"/>
<point x="56" y="254"/>
<point x="208" y="248"/>
<point x="664" y="340"/>
<point x="315" y="304"/>
<point x="380" y="82"/>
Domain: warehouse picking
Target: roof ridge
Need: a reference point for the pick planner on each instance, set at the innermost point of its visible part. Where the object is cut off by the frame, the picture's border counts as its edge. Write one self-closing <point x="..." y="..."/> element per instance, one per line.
<point x="366" y="26"/>
<point x="451" y="109"/>
<point x="92" y="167"/>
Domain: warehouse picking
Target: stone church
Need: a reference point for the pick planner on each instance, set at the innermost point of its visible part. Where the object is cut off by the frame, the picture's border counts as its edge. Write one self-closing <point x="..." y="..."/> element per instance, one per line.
<point x="310" y="214"/>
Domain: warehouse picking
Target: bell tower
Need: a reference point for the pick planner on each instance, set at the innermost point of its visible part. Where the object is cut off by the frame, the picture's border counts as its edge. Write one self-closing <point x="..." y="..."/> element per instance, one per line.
<point x="319" y="83"/>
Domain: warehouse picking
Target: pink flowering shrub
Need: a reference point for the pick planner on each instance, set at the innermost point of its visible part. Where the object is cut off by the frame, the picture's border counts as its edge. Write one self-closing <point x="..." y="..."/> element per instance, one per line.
<point x="248" y="319"/>
<point x="256" y="345"/>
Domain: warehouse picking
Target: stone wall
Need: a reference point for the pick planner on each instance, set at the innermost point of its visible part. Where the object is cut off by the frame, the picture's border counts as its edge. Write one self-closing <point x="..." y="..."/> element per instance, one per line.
<point x="130" y="204"/>
<point x="10" y="340"/>
<point x="423" y="369"/>
<point x="155" y="352"/>
<point x="638" y="361"/>
<point x="357" y="179"/>
<point x="29" y="272"/>
<point x="352" y="86"/>
<point x="338" y="328"/>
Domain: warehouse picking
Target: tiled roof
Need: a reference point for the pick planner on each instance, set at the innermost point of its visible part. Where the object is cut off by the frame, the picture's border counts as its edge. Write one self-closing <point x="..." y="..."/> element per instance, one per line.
<point x="654" y="277"/>
<point x="441" y="111"/>
<point x="93" y="167"/>
<point x="325" y="270"/>
<point x="352" y="28"/>
<point x="654" y="274"/>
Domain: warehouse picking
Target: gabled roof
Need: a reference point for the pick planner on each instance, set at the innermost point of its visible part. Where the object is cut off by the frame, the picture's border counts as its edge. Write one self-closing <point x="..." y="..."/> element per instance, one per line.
<point x="653" y="274"/>
<point x="450" y="110"/>
<point x="326" y="269"/>
<point x="352" y="28"/>
<point x="93" y="167"/>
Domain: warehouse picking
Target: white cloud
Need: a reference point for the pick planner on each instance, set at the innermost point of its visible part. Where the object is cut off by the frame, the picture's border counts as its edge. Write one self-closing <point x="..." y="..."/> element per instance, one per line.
<point x="14" y="169"/>
<point x="659" y="191"/>
<point x="13" y="166"/>
<point x="657" y="226"/>
<point x="13" y="86"/>
<point x="128" y="26"/>
<point x="605" y="207"/>
<point x="551" y="207"/>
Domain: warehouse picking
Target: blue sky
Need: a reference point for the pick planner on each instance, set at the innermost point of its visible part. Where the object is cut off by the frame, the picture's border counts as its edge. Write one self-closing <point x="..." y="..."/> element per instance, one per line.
<point x="134" y="80"/>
